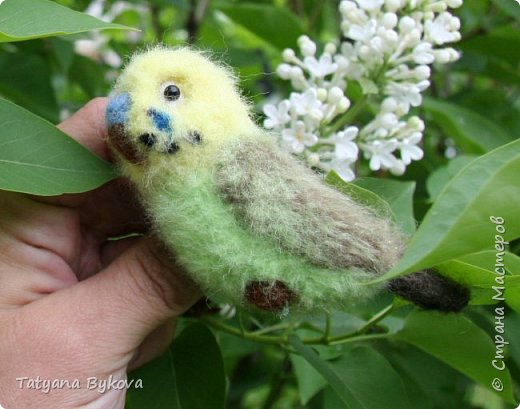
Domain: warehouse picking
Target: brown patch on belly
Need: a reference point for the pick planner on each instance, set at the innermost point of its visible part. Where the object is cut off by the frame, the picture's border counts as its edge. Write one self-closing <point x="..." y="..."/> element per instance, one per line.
<point x="269" y="296"/>
<point x="118" y="140"/>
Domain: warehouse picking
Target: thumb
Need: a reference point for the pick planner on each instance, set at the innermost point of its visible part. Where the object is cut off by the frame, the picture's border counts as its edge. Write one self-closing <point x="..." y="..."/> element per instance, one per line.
<point x="136" y="293"/>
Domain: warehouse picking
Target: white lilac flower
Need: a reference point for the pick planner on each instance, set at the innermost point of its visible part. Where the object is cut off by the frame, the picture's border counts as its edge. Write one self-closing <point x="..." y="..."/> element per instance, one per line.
<point x="380" y="153"/>
<point x="277" y="117"/>
<point x="370" y="4"/>
<point x="345" y="148"/>
<point x="343" y="169"/>
<point x="307" y="104"/>
<point x="322" y="67"/>
<point x="443" y="29"/>
<point x="298" y="138"/>
<point x="409" y="149"/>
<point x="388" y="48"/>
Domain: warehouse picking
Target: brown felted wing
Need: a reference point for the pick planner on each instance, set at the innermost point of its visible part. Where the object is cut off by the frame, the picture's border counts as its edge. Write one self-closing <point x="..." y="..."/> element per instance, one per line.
<point x="276" y="196"/>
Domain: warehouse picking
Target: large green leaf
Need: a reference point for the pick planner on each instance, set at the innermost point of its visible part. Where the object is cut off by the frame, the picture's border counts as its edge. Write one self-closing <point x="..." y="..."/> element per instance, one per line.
<point x="480" y="280"/>
<point x="486" y="259"/>
<point x="429" y="382"/>
<point x="512" y="292"/>
<point x="26" y="80"/>
<point x="479" y="272"/>
<point x="508" y="7"/>
<point x="459" y="223"/>
<point x="398" y="194"/>
<point x="37" y="158"/>
<point x="441" y="176"/>
<point x="89" y="75"/>
<point x="199" y="367"/>
<point x="276" y="25"/>
<point x="471" y="131"/>
<point x="309" y="380"/>
<point x="359" y="194"/>
<point x="460" y="343"/>
<point x="26" y="19"/>
<point x="502" y="43"/>
<point x="352" y="378"/>
<point x="190" y="375"/>
<point x="159" y="389"/>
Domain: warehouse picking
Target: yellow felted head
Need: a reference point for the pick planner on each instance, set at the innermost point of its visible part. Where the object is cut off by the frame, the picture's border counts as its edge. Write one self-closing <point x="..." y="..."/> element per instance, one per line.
<point x="169" y="100"/>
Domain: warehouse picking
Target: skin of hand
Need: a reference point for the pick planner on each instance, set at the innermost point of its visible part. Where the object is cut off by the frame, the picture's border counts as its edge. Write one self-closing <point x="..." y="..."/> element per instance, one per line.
<point x="74" y="305"/>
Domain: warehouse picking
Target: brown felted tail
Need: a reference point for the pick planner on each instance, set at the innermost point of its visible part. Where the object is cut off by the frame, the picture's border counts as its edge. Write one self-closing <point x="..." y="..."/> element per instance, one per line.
<point x="431" y="291"/>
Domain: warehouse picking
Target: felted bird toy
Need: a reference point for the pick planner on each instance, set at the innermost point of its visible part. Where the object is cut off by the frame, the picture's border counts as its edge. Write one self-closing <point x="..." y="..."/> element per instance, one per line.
<point x="248" y="222"/>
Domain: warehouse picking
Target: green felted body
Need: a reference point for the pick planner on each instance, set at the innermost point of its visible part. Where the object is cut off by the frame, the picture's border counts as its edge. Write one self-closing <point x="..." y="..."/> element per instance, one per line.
<point x="223" y="254"/>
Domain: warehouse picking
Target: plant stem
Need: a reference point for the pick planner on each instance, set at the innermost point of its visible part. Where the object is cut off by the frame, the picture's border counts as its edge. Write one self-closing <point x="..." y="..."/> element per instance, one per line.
<point x="370" y="337"/>
<point x="328" y="327"/>
<point x="325" y="339"/>
<point x="265" y="339"/>
<point x="313" y="19"/>
<point x="156" y="24"/>
<point x="196" y="15"/>
<point x="376" y="318"/>
<point x="348" y="117"/>
<point x="272" y="328"/>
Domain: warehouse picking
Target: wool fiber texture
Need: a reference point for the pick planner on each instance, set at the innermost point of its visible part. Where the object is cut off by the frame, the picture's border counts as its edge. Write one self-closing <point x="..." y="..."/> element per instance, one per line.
<point x="249" y="223"/>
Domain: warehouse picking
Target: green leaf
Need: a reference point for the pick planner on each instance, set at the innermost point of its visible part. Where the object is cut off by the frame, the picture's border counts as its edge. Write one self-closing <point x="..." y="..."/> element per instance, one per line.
<point x="324" y="368"/>
<point x="359" y="194"/>
<point x="429" y="382"/>
<point x="90" y="76"/>
<point x="459" y="222"/>
<point x="508" y="7"/>
<point x="27" y="19"/>
<point x="441" y="176"/>
<point x="480" y="280"/>
<point x="159" y="389"/>
<point x="398" y="194"/>
<point x="500" y="44"/>
<point x="190" y="375"/>
<point x="486" y="259"/>
<point x="471" y="131"/>
<point x="37" y="158"/>
<point x="352" y="378"/>
<point x="199" y="369"/>
<point x="512" y="292"/>
<point x="26" y="80"/>
<point x="275" y="25"/>
<point x="457" y="341"/>
<point x="478" y="271"/>
<point x="63" y="51"/>
<point x="309" y="380"/>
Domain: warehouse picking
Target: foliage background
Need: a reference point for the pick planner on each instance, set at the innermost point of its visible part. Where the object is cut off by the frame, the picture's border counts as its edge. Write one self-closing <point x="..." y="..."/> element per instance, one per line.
<point x="397" y="358"/>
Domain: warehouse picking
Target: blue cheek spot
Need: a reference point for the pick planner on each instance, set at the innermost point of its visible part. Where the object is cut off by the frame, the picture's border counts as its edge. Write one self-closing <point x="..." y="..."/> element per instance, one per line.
<point x="117" y="109"/>
<point x="160" y="120"/>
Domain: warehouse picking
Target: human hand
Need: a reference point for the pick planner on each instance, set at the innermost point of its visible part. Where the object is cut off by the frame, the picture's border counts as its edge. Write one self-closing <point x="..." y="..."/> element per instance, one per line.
<point x="73" y="305"/>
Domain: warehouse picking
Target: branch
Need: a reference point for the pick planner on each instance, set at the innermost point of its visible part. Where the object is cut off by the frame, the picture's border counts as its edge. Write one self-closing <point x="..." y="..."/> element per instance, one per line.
<point x="325" y="339"/>
<point x="198" y="10"/>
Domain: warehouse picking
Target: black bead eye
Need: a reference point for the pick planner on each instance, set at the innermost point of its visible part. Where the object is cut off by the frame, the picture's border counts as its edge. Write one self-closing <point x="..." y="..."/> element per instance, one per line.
<point x="171" y="92"/>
